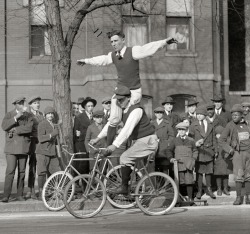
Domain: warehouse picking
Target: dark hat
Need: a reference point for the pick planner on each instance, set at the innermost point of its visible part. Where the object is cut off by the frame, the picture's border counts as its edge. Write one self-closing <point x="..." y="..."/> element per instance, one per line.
<point x="168" y="100"/>
<point x="247" y="104"/>
<point x="192" y="102"/>
<point x="34" y="98"/>
<point x="18" y="99"/>
<point x="210" y="106"/>
<point x="88" y="99"/>
<point x="182" y="125"/>
<point x="159" y="109"/>
<point x="49" y="109"/>
<point x="202" y="110"/>
<point x="217" y="98"/>
<point x="80" y="100"/>
<point x="98" y="113"/>
<point x="237" y="108"/>
<point x="219" y="129"/>
<point x="106" y="99"/>
<point x="121" y="92"/>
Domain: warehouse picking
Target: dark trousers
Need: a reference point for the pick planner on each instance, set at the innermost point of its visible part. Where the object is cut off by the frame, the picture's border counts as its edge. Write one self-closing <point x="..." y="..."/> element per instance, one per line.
<point x="13" y="161"/>
<point x="32" y="163"/>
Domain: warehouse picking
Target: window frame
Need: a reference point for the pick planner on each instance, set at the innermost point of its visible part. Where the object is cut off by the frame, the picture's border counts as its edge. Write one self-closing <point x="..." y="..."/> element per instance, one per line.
<point x="190" y="16"/>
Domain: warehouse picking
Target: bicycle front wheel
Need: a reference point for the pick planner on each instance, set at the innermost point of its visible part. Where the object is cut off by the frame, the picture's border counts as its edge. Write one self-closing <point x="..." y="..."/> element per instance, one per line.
<point x="113" y="181"/>
<point x="90" y="197"/>
<point x="53" y="190"/>
<point x="156" y="194"/>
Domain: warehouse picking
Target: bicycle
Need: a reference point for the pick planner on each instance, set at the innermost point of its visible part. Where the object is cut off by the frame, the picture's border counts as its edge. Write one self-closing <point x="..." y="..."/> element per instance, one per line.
<point x="155" y="194"/>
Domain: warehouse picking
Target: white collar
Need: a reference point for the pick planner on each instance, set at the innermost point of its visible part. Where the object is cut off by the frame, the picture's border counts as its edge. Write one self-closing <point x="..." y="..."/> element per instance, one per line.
<point x="122" y="51"/>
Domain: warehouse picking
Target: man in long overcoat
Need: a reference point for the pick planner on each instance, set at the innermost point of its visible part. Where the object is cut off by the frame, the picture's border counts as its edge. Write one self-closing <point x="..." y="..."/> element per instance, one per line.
<point x="18" y="127"/>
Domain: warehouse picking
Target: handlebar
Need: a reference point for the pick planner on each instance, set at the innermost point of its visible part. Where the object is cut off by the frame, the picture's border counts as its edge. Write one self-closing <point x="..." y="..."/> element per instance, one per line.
<point x="71" y="154"/>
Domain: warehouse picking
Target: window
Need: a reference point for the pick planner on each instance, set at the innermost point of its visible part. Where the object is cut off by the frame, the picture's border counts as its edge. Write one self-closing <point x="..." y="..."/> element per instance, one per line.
<point x="179" y="23"/>
<point x="39" y="44"/>
<point x="135" y="29"/>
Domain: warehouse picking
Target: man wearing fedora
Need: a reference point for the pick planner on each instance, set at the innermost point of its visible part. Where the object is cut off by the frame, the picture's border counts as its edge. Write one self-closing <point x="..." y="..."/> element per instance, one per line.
<point x="34" y="106"/>
<point x="219" y="110"/>
<point x="18" y="127"/>
<point x="82" y="121"/>
<point x="165" y="134"/>
<point x="169" y="115"/>
<point x="191" y="107"/>
<point x="126" y="61"/>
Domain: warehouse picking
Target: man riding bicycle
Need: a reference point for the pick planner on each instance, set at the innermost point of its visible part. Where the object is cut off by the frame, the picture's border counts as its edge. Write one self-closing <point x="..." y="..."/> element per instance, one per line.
<point x="137" y="127"/>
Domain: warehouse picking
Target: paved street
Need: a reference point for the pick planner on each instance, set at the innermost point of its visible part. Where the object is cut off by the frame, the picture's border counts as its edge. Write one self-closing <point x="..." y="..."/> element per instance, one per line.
<point x="195" y="220"/>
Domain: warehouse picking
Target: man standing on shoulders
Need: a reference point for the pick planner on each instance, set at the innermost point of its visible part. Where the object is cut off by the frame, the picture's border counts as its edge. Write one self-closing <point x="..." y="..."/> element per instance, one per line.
<point x="219" y="110"/>
<point x="126" y="61"/>
<point x="34" y="103"/>
<point x="18" y="127"/>
<point x="169" y="115"/>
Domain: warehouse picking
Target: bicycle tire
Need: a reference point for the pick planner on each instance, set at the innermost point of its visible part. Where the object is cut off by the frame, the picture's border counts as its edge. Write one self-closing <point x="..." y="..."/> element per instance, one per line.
<point x="86" y="205"/>
<point x="113" y="181"/>
<point x="52" y="194"/>
<point x="158" y="199"/>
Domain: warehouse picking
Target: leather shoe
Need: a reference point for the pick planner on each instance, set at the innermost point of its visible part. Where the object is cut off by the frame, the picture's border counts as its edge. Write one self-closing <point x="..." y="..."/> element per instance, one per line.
<point x="238" y="201"/>
<point x="226" y="192"/>
<point x="219" y="192"/>
<point x="122" y="190"/>
<point x="210" y="193"/>
<point x="199" y="194"/>
<point x="20" y="198"/>
<point x="5" y="199"/>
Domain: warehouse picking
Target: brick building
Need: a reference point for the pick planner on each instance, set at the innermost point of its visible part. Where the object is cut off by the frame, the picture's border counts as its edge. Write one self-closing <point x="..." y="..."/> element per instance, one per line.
<point x="197" y="66"/>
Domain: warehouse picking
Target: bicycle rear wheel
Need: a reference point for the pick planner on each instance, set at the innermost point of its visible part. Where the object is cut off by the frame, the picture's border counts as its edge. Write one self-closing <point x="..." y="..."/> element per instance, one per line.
<point x="53" y="190"/>
<point x="113" y="181"/>
<point x="160" y="195"/>
<point x="89" y="198"/>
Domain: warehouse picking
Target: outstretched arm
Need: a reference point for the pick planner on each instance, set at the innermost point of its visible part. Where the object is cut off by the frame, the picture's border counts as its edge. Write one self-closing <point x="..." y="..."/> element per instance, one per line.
<point x="149" y="49"/>
<point x="102" y="60"/>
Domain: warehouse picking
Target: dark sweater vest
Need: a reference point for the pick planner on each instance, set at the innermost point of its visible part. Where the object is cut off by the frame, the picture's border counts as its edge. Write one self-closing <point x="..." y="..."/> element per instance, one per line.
<point x="143" y="128"/>
<point x="127" y="70"/>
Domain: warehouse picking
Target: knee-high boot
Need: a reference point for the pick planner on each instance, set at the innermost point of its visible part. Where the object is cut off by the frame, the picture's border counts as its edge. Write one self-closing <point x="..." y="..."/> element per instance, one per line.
<point x="125" y="171"/>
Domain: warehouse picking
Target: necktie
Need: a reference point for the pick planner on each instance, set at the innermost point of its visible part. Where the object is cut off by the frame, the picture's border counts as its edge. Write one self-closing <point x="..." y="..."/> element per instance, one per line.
<point x="118" y="54"/>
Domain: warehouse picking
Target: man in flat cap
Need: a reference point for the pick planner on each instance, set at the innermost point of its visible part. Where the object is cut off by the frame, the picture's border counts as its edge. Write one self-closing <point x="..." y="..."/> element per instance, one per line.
<point x="169" y="114"/>
<point x="216" y="120"/>
<point x="34" y="106"/>
<point x="106" y="103"/>
<point x="126" y="61"/>
<point x="18" y="127"/>
<point x="202" y="132"/>
<point x="235" y="141"/>
<point x="165" y="134"/>
<point x="137" y="128"/>
<point x="219" y="110"/>
<point x="246" y="108"/>
<point x="79" y="102"/>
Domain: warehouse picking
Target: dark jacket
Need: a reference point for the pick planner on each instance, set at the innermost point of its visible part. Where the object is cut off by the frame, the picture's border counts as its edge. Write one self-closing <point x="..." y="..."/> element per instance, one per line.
<point x="165" y="134"/>
<point x="173" y="118"/>
<point x="17" y="141"/>
<point x="46" y="145"/>
<point x="226" y="115"/>
<point x="209" y="147"/>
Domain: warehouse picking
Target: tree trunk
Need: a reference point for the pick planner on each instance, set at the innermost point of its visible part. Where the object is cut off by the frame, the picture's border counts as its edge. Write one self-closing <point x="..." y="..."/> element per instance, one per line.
<point x="61" y="65"/>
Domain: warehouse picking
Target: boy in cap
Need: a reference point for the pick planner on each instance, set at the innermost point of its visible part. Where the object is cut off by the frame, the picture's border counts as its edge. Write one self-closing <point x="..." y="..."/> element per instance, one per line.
<point x="169" y="115"/>
<point x="93" y="131"/>
<point x="46" y="155"/>
<point x="246" y="108"/>
<point x="106" y="103"/>
<point x="79" y="103"/>
<point x="235" y="141"/>
<point x="137" y="128"/>
<point x="222" y="166"/>
<point x="34" y="106"/>
<point x="18" y="127"/>
<point x="183" y="149"/>
<point x="203" y="133"/>
<point x="165" y="134"/>
<point x="126" y="61"/>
